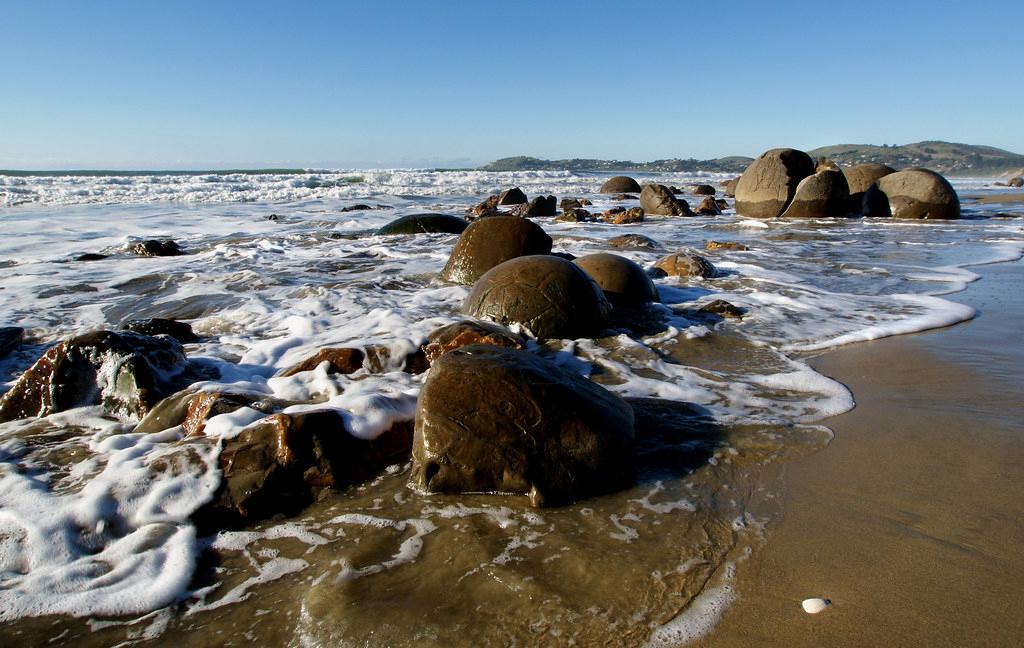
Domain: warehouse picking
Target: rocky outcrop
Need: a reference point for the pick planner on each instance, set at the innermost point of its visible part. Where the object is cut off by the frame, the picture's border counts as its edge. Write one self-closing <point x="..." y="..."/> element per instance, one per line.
<point x="127" y="373"/>
<point x="497" y="420"/>
<point x="467" y="332"/>
<point x="623" y="282"/>
<point x="822" y="195"/>
<point x="577" y="215"/>
<point x="551" y="297"/>
<point x="513" y="196"/>
<point x="490" y="241"/>
<point x="180" y="331"/>
<point x="657" y="200"/>
<point x="685" y="264"/>
<point x="919" y="194"/>
<point x="424" y="224"/>
<point x="768" y="185"/>
<point x="619" y="184"/>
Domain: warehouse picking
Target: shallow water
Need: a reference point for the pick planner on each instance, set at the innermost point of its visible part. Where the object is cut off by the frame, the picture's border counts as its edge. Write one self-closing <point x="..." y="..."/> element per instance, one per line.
<point x="95" y="519"/>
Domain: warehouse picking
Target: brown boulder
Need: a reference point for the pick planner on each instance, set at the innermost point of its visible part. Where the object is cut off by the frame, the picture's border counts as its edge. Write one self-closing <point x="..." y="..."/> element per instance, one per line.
<point x="513" y="196"/>
<point x="460" y="334"/>
<point x="423" y="224"/>
<point x="657" y="200"/>
<point x="921" y="194"/>
<point x="339" y="361"/>
<point x="624" y="282"/>
<point x="862" y="176"/>
<point x="550" y="296"/>
<point x="767" y="186"/>
<point x="575" y="216"/>
<point x="624" y="216"/>
<point x="725" y="245"/>
<point x="686" y="264"/>
<point x="125" y="372"/>
<point x="155" y="248"/>
<point x="822" y="195"/>
<point x="496" y="420"/>
<point x="1016" y="182"/>
<point x="619" y="184"/>
<point x="490" y="241"/>
<point x="729" y="187"/>
<point x="542" y="206"/>
<point x="703" y="190"/>
<point x="709" y="207"/>
<point x="634" y="241"/>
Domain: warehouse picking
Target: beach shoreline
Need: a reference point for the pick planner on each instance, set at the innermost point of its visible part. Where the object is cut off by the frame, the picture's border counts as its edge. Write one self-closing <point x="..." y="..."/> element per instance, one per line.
<point x="909" y="521"/>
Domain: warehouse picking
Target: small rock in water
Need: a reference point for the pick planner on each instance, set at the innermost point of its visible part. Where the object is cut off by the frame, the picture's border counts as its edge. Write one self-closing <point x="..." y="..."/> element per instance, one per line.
<point x="180" y="331"/>
<point x="155" y="248"/>
<point x="90" y="256"/>
<point x="10" y="337"/>
<point x="815" y="605"/>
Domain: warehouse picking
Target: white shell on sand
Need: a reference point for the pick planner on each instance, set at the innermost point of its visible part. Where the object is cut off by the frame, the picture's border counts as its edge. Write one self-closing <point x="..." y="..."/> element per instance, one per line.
<point x="815" y="605"/>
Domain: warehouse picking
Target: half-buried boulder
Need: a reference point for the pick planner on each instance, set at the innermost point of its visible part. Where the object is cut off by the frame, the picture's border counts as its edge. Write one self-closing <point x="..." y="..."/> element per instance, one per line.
<point x="180" y="331"/>
<point x="769" y="183"/>
<point x="424" y="224"/>
<point x="623" y="281"/>
<point x="921" y="194"/>
<point x="822" y="195"/>
<point x="619" y="184"/>
<point x="490" y="241"/>
<point x="634" y="242"/>
<point x="542" y="206"/>
<point x="497" y="420"/>
<point x="126" y="372"/>
<point x="658" y="200"/>
<point x="467" y="332"/>
<point x="552" y="297"/>
<point x="685" y="264"/>
<point x="513" y="196"/>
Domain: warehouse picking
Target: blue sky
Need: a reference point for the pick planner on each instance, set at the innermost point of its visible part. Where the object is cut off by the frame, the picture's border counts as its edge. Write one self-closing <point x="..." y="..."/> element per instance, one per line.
<point x="215" y="84"/>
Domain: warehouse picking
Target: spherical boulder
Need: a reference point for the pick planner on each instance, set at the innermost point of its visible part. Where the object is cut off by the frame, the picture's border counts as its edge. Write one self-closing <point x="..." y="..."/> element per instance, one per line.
<point x="769" y="183"/>
<point x="920" y="193"/>
<point x="623" y="281"/>
<point x="423" y="224"/>
<point x="686" y="264"/>
<point x="491" y="419"/>
<point x="822" y="195"/>
<point x="513" y="196"/>
<point x="490" y="241"/>
<point x="620" y="184"/>
<point x="658" y="200"/>
<point x="862" y="176"/>
<point x="550" y="296"/>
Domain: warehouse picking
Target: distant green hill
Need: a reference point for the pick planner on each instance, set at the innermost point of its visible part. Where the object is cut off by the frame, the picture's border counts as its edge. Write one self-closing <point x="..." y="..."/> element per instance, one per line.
<point x="945" y="157"/>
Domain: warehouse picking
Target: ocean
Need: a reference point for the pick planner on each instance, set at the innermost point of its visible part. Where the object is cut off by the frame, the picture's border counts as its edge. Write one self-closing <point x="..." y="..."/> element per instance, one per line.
<point x="97" y="542"/>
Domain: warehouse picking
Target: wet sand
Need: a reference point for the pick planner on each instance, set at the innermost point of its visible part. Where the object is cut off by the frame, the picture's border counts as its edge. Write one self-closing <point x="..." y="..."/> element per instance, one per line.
<point x="912" y="520"/>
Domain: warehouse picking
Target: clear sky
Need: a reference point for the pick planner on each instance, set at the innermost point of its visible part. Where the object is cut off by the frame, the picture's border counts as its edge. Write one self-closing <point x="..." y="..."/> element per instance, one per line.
<point x="343" y="84"/>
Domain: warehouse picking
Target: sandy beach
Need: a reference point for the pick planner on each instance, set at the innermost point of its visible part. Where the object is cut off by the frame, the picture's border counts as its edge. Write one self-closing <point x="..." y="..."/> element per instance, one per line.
<point x="911" y="520"/>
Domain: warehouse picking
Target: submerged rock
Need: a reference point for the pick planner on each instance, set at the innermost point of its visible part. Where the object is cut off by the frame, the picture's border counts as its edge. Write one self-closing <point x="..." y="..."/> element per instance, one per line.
<point x="576" y="215"/>
<point x="180" y="331"/>
<point x="191" y="409"/>
<point x="921" y="194"/>
<point x="722" y="308"/>
<point x="126" y="372"/>
<point x="513" y="196"/>
<point x="767" y="186"/>
<point x="657" y="200"/>
<point x="340" y="360"/>
<point x="624" y="216"/>
<point x="725" y="245"/>
<point x="550" y="296"/>
<point x="634" y="241"/>
<point x="686" y="264"/>
<point x="467" y="332"/>
<point x="709" y="207"/>
<point x="155" y="248"/>
<point x="10" y="338"/>
<point x="623" y="282"/>
<point x="90" y="256"/>
<point x="490" y="241"/>
<point x="619" y="185"/>
<point x="424" y="224"/>
<point x="496" y="420"/>
<point x="1016" y="182"/>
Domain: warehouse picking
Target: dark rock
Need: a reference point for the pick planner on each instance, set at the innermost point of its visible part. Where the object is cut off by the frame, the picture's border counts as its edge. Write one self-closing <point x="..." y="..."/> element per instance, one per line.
<point x="542" y="206"/>
<point x="460" y="334"/>
<point x="722" y="308"/>
<point x="874" y="203"/>
<point x="729" y="187"/>
<point x="487" y="206"/>
<point x="551" y="297"/>
<point x="657" y="200"/>
<point x="496" y="420"/>
<point x="282" y="462"/>
<point x="623" y="281"/>
<point x="860" y="178"/>
<point x="358" y="207"/>
<point x="624" y="216"/>
<point x="709" y="207"/>
<point x="568" y="256"/>
<point x="575" y="216"/>
<point x="341" y="360"/>
<point x="634" y="241"/>
<point x="191" y="409"/>
<point x="10" y="338"/>
<point x="767" y="186"/>
<point x="381" y="359"/>
<point x="490" y="241"/>
<point x="180" y="331"/>
<point x="703" y="190"/>
<point x="722" y="204"/>
<point x="920" y="194"/>
<point x="622" y="196"/>
<point x="155" y="248"/>
<point x="822" y="195"/>
<point x="675" y="190"/>
<point x="90" y="256"/>
<point x="825" y="164"/>
<point x="619" y="185"/>
<point x="513" y="196"/>
<point x="725" y="245"/>
<point x="1016" y="182"/>
<point x="570" y="203"/>
<point x="126" y="372"/>
<point x="423" y="224"/>
<point x="686" y="264"/>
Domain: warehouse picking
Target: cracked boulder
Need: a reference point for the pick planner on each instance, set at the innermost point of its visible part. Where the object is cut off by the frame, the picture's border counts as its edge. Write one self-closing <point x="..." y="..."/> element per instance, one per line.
<point x="491" y="419"/>
<point x="768" y="185"/>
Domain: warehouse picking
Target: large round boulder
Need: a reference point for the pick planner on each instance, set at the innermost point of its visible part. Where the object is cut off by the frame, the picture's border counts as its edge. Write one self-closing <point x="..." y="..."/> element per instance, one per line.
<point x="822" y="195"/>
<point x="658" y="200"/>
<point x="623" y="281"/>
<point x="769" y="183"/>
<point x="491" y="419"/>
<point x="423" y="224"/>
<point x="862" y="176"/>
<point x="490" y="241"/>
<point x="920" y="193"/>
<point x="620" y="184"/>
<point x="550" y="296"/>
